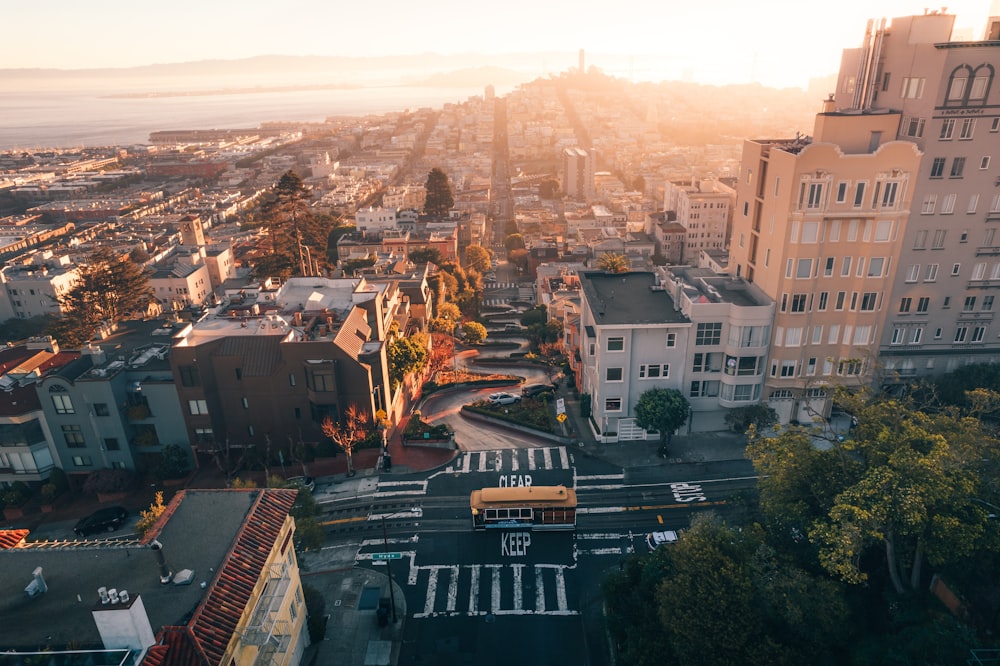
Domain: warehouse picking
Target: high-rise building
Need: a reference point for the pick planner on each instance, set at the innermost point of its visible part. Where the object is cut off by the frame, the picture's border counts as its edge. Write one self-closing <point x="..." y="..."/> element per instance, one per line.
<point x="941" y="311"/>
<point x="877" y="235"/>
<point x="578" y="173"/>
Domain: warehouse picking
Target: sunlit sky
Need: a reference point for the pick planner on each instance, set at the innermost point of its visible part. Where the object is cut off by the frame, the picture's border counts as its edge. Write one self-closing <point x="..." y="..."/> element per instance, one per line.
<point x="775" y="42"/>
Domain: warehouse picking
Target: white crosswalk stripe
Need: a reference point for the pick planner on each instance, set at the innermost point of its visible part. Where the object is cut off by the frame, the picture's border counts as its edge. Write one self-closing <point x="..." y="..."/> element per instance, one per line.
<point x="503" y="589"/>
<point x="603" y="543"/>
<point x="513" y="460"/>
<point x="593" y="482"/>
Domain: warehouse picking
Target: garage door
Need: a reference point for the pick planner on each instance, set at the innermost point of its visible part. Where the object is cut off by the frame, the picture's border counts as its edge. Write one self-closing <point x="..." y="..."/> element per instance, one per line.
<point x="628" y="430"/>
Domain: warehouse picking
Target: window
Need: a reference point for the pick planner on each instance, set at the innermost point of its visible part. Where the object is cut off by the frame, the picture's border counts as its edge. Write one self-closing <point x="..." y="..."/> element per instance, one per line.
<point x="613" y="405"/>
<point x="868" y="300"/>
<point x="748" y="336"/>
<point x="956" y="269"/>
<point x="291" y="379"/>
<point x="862" y="335"/>
<point x="883" y="231"/>
<point x="815" y="198"/>
<point x="189" y="375"/>
<point x="323" y="381"/>
<point x="823" y="295"/>
<point x="973" y="203"/>
<point x="957" y="167"/>
<point x="859" y="195"/>
<point x="849" y="366"/>
<point x="798" y="302"/>
<point x="904" y="304"/>
<point x="782" y="394"/>
<point x="741" y="392"/>
<point x="803" y="269"/>
<point x="970" y="304"/>
<point x="898" y="335"/>
<point x="841" y="192"/>
<point x="978" y="333"/>
<point x="246" y="403"/>
<point x="948" y="204"/>
<point x="654" y="371"/>
<point x="923" y="304"/>
<point x="845" y="267"/>
<point x="913" y="88"/>
<point x="960" y="333"/>
<point x="937" y="167"/>
<point x="204" y="435"/>
<point x="788" y="368"/>
<point x="73" y="434"/>
<point x="912" y="273"/>
<point x="915" y="335"/>
<point x="614" y="374"/>
<point x="616" y="344"/>
<point x="987" y="303"/>
<point x="841" y="295"/>
<point x="198" y="407"/>
<point x="875" y="266"/>
<point x="810" y="232"/>
<point x="82" y="461"/>
<point x="979" y="272"/>
<point x="828" y="267"/>
<point x="889" y="194"/>
<point x="968" y="128"/>
<point x="931" y="274"/>
<point x="913" y="127"/>
<point x="671" y="339"/>
<point x="707" y="362"/>
<point x="111" y="444"/>
<point x="939" y="236"/>
<point x="101" y="409"/>
<point x="708" y="334"/>
<point x="706" y="389"/>
<point x="947" y="129"/>
<point x="63" y="404"/>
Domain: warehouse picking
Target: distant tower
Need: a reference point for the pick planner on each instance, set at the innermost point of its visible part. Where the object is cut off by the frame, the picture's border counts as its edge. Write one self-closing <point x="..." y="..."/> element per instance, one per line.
<point x="192" y="232"/>
<point x="582" y="70"/>
<point x="578" y="173"/>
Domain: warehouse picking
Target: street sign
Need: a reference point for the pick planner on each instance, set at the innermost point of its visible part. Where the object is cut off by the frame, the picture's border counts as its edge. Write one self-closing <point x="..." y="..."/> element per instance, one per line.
<point x="561" y="417"/>
<point x="560" y="406"/>
<point x="380" y="557"/>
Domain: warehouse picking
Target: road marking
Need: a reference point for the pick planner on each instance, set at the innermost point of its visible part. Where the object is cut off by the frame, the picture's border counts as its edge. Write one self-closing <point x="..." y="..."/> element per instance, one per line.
<point x="341" y="521"/>
<point x="659" y="519"/>
<point x="378" y="542"/>
<point x="495" y="588"/>
<point x="601" y="509"/>
<point x="432" y="581"/>
<point x="482" y="462"/>
<point x="600" y="551"/>
<point x="547" y="457"/>
<point x="518" y="592"/>
<point x="531" y="459"/>
<point x="474" y="589"/>
<point x="539" y="591"/>
<point x="680" y="505"/>
<point x="596" y="477"/>
<point x="453" y="589"/>
<point x="513" y="461"/>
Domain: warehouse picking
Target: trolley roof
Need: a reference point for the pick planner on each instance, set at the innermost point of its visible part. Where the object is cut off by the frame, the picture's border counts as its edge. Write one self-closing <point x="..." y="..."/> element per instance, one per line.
<point x="527" y="494"/>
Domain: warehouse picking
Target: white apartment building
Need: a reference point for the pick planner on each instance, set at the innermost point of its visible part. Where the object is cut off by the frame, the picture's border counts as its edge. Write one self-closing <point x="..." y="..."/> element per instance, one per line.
<point x="30" y="291"/>
<point x="704" y="208"/>
<point x="578" y="173"/>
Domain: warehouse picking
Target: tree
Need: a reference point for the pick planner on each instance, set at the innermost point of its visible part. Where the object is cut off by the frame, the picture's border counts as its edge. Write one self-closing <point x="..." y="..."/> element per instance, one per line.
<point x="425" y="255"/>
<point x="514" y="242"/>
<point x="298" y="239"/>
<point x="760" y="416"/>
<point x="439" y="197"/>
<point x="548" y="189"/>
<point x="442" y="353"/>
<point x="449" y="311"/>
<point x="664" y="410"/>
<point x="613" y="262"/>
<point x="473" y="332"/>
<point x="347" y="433"/>
<point x="477" y="258"/>
<point x="907" y="486"/>
<point x="148" y="517"/>
<point x="518" y="258"/>
<point x="406" y="355"/>
<point x="107" y="288"/>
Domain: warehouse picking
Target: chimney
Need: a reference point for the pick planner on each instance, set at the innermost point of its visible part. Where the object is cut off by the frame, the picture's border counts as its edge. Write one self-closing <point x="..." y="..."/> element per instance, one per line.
<point x="165" y="573"/>
<point x="122" y="622"/>
<point x="828" y="104"/>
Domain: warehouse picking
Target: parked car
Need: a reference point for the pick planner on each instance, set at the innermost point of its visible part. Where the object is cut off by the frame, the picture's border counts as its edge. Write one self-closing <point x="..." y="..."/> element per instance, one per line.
<point x="533" y="390"/>
<point x="513" y="328"/>
<point x="103" y="520"/>
<point x="306" y="482"/>
<point x="656" y="539"/>
<point x="503" y="398"/>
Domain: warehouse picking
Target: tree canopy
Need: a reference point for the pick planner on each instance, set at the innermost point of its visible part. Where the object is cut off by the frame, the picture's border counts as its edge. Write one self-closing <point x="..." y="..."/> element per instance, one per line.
<point x="664" y="410"/>
<point x="473" y="332"/>
<point x="477" y="258"/>
<point x="612" y="262"/>
<point x="439" y="198"/>
<point x="406" y="355"/>
<point x="297" y="237"/>
<point x="514" y="242"/>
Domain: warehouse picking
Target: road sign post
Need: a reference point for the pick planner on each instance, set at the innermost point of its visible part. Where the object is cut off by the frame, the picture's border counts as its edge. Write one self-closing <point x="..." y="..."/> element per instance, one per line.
<point x="382" y="557"/>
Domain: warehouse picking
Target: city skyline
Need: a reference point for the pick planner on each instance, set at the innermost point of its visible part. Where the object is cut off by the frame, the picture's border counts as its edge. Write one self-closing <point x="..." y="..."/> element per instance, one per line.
<point x="703" y="48"/>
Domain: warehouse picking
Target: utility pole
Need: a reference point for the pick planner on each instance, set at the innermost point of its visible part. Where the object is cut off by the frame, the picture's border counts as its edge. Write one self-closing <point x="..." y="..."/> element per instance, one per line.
<point x="388" y="569"/>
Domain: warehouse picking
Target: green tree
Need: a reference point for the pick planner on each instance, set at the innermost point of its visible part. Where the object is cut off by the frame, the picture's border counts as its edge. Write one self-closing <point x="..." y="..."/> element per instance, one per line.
<point x="449" y="311"/>
<point x="536" y="315"/>
<point x="664" y="410"/>
<point x="477" y="258"/>
<point x="514" y="242"/>
<point x="426" y="255"/>
<point x="548" y="189"/>
<point x="612" y="262"/>
<point x="107" y="288"/>
<point x="335" y="235"/>
<point x="473" y="332"/>
<point x="439" y="198"/>
<point x="760" y="416"/>
<point x="298" y="239"/>
<point x="519" y="259"/>
<point x="406" y="355"/>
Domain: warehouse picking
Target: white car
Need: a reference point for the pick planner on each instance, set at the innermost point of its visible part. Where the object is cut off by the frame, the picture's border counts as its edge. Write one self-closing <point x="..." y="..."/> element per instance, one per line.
<point x="656" y="539"/>
<point x="503" y="398"/>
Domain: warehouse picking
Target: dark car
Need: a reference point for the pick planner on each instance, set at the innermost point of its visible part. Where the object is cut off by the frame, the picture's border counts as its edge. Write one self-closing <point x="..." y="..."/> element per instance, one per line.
<point x="102" y="520"/>
<point x="532" y="390"/>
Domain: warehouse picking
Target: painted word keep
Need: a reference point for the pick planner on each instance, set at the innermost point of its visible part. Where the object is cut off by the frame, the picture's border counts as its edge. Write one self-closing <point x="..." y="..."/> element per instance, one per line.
<point x="514" y="544"/>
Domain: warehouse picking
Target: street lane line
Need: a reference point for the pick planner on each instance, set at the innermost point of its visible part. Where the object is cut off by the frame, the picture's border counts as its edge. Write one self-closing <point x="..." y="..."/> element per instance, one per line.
<point x="453" y="589"/>
<point x="679" y="505"/>
<point x="482" y="462"/>
<point x="598" y="477"/>
<point x="600" y="509"/>
<point x="561" y="589"/>
<point x="513" y="460"/>
<point x="547" y="457"/>
<point x="563" y="457"/>
<point x="341" y="521"/>
<point x="495" y="588"/>
<point x="539" y="591"/>
<point x="432" y="581"/>
<point x="474" y="589"/>
<point x="531" y="459"/>
<point x="518" y="590"/>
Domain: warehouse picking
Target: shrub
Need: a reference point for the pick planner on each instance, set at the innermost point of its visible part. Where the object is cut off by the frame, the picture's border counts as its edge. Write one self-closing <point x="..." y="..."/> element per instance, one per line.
<point x="316" y="613"/>
<point x="173" y="464"/>
<point x="107" y="481"/>
<point x="59" y="479"/>
<point x="49" y="493"/>
<point x="17" y="495"/>
<point x="148" y="517"/>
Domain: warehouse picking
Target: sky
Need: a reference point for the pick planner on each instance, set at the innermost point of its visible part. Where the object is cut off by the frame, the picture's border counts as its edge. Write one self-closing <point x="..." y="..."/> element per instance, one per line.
<point x="775" y="42"/>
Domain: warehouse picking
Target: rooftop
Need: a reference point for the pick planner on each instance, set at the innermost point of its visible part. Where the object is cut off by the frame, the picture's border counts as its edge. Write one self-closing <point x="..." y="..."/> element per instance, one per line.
<point x="628" y="298"/>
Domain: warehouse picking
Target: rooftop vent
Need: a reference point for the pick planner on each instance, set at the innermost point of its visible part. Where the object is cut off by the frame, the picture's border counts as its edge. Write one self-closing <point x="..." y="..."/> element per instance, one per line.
<point x="36" y="587"/>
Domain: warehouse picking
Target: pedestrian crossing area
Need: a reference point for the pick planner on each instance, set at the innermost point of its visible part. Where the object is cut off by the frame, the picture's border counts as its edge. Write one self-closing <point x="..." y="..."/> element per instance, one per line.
<point x="514" y="460"/>
<point x="604" y="543"/>
<point x="496" y="302"/>
<point x="498" y="589"/>
<point x="499" y="285"/>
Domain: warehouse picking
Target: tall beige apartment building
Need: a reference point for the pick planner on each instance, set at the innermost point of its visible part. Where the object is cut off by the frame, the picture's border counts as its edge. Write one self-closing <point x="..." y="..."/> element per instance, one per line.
<point x="876" y="236"/>
<point x="944" y="291"/>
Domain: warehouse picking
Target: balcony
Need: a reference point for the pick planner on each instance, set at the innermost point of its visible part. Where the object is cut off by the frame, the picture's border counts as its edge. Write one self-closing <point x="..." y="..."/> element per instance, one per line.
<point x="137" y="412"/>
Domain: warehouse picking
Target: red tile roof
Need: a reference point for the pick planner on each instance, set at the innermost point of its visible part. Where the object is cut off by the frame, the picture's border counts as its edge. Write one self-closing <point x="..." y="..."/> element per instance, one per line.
<point x="205" y="639"/>
<point x="12" y="538"/>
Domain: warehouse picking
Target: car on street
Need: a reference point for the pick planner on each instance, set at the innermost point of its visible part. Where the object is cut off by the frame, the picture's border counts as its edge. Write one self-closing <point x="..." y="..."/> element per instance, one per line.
<point x="656" y="539"/>
<point x="503" y="398"/>
<point x="534" y="390"/>
<point x="108" y="519"/>
<point x="306" y="482"/>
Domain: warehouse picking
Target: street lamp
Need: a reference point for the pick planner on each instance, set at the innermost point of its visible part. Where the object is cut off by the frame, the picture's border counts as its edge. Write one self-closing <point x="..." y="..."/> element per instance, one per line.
<point x="388" y="563"/>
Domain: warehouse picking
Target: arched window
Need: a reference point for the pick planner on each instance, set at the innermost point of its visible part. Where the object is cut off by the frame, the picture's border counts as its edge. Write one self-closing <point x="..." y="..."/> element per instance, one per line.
<point x="958" y="85"/>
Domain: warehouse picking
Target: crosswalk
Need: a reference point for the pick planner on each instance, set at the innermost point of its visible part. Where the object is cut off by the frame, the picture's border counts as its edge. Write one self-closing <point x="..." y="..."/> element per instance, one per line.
<point x="499" y="285"/>
<point x="500" y="589"/>
<point x="604" y="543"/>
<point x="495" y="302"/>
<point x="514" y="460"/>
